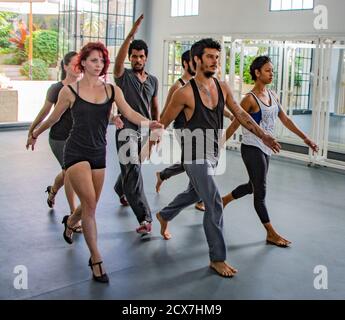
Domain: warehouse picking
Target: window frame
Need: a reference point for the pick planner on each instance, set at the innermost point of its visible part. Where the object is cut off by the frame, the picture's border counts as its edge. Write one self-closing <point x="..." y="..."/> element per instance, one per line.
<point x="183" y="15"/>
<point x="288" y="10"/>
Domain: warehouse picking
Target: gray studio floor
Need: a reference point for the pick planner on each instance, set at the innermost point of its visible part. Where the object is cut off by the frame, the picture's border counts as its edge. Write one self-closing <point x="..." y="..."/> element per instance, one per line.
<point x="306" y="205"/>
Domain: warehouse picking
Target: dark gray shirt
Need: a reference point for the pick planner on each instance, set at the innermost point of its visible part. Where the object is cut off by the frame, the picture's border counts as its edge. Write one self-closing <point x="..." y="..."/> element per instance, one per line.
<point x="61" y="129"/>
<point x="137" y="94"/>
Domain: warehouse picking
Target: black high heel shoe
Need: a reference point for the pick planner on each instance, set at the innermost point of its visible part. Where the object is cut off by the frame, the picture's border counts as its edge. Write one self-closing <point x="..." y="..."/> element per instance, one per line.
<point x="51" y="197"/>
<point x="68" y="239"/>
<point x="103" y="278"/>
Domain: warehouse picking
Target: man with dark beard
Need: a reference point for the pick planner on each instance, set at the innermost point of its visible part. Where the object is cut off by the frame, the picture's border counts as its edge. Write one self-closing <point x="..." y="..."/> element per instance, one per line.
<point x="202" y="100"/>
<point x="140" y="91"/>
<point x="179" y="123"/>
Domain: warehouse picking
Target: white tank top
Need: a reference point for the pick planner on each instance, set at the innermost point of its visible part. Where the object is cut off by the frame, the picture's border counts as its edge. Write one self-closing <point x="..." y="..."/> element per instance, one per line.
<point x="269" y="115"/>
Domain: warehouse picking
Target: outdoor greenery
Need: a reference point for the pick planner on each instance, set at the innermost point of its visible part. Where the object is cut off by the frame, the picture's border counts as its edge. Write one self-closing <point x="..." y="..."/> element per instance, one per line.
<point x="4" y="50"/>
<point x="298" y="70"/>
<point x="247" y="78"/>
<point x="46" y="22"/>
<point x="18" y="57"/>
<point x="5" y="28"/>
<point x="39" y="69"/>
<point x="44" y="46"/>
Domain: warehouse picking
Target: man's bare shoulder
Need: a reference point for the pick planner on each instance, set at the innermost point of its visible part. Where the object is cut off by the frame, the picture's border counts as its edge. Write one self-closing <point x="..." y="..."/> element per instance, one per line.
<point x="184" y="91"/>
<point x="175" y="86"/>
<point x="184" y="95"/>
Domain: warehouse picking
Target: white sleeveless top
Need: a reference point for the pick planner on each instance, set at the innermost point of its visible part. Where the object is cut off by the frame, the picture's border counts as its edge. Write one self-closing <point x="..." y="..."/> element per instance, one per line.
<point x="269" y="115"/>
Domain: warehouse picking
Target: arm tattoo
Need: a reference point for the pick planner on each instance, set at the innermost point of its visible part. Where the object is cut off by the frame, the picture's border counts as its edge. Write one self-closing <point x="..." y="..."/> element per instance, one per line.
<point x="249" y="123"/>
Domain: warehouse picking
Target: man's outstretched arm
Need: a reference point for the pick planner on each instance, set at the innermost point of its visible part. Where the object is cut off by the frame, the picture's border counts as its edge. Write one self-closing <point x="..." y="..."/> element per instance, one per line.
<point x="119" y="67"/>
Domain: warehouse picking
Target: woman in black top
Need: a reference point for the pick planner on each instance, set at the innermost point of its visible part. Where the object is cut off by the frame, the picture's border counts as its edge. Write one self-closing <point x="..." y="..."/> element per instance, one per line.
<point x="60" y="130"/>
<point x="90" y="100"/>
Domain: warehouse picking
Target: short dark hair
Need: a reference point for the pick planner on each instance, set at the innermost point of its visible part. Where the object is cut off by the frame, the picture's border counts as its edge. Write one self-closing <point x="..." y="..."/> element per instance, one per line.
<point x="257" y="64"/>
<point x="198" y="48"/>
<point x="65" y="62"/>
<point x="138" y="45"/>
<point x="185" y="57"/>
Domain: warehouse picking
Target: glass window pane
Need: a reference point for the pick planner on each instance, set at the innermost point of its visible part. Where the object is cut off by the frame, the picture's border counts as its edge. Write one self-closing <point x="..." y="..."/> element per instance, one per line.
<point x="174" y="8"/>
<point x="112" y="6"/>
<point x="87" y="23"/>
<point x="275" y="5"/>
<point x="102" y="26"/>
<point x="129" y="7"/>
<point x="180" y="9"/>
<point x="308" y="4"/>
<point x="297" y="4"/>
<point x="103" y="7"/>
<point x="121" y="6"/>
<point x="286" y="4"/>
<point x="128" y="24"/>
<point x="120" y="27"/>
<point x="195" y="8"/>
<point x="95" y="5"/>
<point x="85" y="5"/>
<point x="184" y="7"/>
<point x="188" y="6"/>
<point x="111" y="28"/>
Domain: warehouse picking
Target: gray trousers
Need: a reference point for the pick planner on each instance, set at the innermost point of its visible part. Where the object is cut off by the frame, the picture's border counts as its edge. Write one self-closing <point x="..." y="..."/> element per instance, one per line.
<point x="171" y="171"/>
<point x="202" y="185"/>
<point x="176" y="168"/>
<point x="130" y="183"/>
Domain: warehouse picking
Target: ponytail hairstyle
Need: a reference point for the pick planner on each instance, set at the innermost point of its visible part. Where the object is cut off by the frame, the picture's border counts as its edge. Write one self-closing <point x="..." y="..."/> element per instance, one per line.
<point x="65" y="62"/>
<point x="257" y="64"/>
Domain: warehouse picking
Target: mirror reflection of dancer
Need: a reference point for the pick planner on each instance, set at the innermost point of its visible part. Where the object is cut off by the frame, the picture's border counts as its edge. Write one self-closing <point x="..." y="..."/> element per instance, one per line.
<point x="59" y="131"/>
<point x="264" y="107"/>
<point x="91" y="101"/>
<point x="203" y="100"/>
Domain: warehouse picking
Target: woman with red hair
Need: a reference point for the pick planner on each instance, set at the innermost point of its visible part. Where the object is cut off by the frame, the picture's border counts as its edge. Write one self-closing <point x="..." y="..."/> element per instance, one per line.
<point x="90" y="100"/>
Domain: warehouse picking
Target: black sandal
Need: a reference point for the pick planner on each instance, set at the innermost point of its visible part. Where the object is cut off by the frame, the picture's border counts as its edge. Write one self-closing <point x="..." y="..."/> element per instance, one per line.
<point x="103" y="278"/>
<point x="51" y="196"/>
<point x="78" y="228"/>
<point x="68" y="239"/>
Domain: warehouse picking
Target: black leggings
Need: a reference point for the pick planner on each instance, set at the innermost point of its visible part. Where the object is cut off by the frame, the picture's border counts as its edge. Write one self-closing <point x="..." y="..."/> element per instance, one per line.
<point x="256" y="163"/>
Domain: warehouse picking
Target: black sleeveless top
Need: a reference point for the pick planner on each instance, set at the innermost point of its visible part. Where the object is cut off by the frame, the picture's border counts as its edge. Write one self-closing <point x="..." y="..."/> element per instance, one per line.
<point x="90" y="122"/>
<point x="208" y="123"/>
<point x="180" y="120"/>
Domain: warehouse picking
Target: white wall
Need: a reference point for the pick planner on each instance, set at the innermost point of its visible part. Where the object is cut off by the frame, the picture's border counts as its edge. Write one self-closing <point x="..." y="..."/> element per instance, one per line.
<point x="230" y="17"/>
<point x="143" y="6"/>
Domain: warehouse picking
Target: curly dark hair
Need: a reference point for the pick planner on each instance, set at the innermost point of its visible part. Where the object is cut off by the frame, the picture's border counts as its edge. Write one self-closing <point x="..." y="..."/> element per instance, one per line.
<point x="257" y="64"/>
<point x="198" y="48"/>
<point x="138" y="45"/>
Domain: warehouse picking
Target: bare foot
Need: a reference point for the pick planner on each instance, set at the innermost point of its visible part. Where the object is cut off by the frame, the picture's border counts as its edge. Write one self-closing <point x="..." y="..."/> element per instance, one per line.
<point x="164" y="227"/>
<point x="159" y="182"/>
<point x="223" y="268"/>
<point x="200" y="206"/>
<point x="277" y="240"/>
